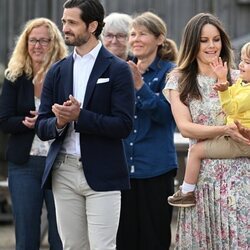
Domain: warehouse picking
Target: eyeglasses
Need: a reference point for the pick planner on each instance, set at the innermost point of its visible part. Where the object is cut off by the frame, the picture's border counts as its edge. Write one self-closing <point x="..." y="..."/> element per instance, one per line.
<point x="119" y="37"/>
<point x="43" y="41"/>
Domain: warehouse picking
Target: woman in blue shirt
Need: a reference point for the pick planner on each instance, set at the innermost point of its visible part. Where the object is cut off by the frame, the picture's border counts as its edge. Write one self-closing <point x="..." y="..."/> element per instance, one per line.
<point x="151" y="155"/>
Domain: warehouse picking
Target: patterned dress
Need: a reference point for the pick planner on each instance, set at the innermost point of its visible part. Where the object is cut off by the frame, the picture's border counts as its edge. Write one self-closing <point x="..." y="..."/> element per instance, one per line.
<point x="221" y="217"/>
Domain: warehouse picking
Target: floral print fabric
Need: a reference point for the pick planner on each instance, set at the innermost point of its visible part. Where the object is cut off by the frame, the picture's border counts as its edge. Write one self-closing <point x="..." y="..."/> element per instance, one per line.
<point x="221" y="217"/>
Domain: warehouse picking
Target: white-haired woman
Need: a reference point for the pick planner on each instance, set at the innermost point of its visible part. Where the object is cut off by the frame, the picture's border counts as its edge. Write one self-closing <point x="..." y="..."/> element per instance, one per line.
<point x="115" y="34"/>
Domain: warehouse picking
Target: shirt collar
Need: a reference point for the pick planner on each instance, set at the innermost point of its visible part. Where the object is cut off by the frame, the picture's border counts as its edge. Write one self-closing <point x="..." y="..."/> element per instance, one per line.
<point x="155" y="65"/>
<point x="94" y="52"/>
<point x="243" y="83"/>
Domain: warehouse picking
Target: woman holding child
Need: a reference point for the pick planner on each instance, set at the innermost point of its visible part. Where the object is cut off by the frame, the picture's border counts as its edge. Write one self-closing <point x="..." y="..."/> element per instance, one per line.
<point x="219" y="220"/>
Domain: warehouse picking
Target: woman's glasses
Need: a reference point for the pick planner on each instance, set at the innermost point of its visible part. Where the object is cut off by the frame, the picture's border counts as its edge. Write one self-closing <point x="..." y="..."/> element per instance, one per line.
<point x="43" y="41"/>
<point x="120" y="37"/>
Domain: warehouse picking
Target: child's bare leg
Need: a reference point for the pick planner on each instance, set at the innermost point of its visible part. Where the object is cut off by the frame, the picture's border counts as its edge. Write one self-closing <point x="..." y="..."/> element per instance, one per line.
<point x="195" y="155"/>
<point x="185" y="196"/>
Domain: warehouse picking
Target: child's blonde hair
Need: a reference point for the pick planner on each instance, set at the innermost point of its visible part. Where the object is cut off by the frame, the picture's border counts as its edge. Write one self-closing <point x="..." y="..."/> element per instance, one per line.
<point x="246" y="49"/>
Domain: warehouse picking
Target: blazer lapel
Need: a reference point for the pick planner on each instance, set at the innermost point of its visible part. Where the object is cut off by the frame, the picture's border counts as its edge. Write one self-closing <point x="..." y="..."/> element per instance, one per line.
<point x="101" y="64"/>
<point x="67" y="76"/>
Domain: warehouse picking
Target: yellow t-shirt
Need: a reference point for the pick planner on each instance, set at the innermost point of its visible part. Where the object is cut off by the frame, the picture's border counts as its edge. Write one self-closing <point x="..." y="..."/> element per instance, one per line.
<point x="235" y="102"/>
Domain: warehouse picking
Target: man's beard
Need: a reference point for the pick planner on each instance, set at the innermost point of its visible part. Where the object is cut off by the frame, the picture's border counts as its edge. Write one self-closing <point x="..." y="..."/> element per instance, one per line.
<point x="80" y="40"/>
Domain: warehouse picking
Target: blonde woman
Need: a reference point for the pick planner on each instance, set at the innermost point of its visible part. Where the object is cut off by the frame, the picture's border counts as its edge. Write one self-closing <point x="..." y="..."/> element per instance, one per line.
<point x="38" y="47"/>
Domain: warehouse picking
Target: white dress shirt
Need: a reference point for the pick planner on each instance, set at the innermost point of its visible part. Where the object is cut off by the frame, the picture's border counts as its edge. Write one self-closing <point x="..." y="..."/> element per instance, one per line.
<point x="82" y="68"/>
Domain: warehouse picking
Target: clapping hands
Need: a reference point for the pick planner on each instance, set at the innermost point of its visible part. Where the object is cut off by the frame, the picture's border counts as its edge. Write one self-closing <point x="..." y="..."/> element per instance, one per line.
<point x="67" y="112"/>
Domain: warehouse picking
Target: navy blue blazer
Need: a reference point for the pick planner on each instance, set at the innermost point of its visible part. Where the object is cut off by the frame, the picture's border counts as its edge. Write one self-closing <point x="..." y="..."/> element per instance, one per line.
<point x="105" y="119"/>
<point x="16" y="101"/>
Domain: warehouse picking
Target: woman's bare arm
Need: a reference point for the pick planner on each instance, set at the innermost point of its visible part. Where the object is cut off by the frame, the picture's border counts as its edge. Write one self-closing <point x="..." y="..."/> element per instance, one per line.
<point x="189" y="129"/>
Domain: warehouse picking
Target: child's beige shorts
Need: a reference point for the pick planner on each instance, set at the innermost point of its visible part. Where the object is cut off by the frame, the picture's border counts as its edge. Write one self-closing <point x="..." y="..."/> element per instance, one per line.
<point x="225" y="147"/>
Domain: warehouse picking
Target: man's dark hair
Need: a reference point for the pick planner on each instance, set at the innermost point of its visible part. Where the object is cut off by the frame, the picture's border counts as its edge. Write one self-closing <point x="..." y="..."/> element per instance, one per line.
<point x="91" y="10"/>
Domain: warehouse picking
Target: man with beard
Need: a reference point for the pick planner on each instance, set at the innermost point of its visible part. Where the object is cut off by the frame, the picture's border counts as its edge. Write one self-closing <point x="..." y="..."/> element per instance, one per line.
<point x="87" y="107"/>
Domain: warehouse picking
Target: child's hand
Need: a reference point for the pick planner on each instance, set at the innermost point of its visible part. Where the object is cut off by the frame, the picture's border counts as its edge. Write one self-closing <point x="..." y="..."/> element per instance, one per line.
<point x="220" y="69"/>
<point x="221" y="86"/>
